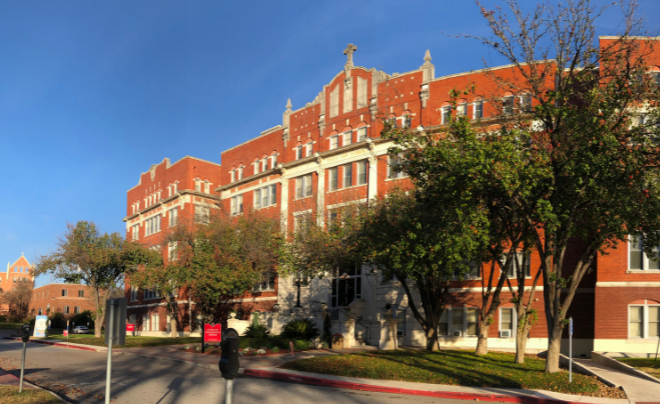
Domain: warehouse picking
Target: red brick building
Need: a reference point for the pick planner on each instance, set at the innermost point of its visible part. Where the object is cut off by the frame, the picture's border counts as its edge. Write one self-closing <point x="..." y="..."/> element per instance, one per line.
<point x="66" y="298"/>
<point x="329" y="153"/>
<point x="18" y="272"/>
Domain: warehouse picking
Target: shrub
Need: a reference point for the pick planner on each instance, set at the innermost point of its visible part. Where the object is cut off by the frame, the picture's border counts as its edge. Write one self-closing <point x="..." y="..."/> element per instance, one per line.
<point x="3" y="319"/>
<point x="303" y="329"/>
<point x="57" y="320"/>
<point x="257" y="331"/>
<point x="84" y="318"/>
<point x="327" y="325"/>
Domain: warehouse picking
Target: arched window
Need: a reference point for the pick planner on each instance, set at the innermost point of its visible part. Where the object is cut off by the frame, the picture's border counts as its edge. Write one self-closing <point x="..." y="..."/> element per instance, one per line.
<point x="477" y="108"/>
<point x="461" y="107"/>
<point x="507" y="103"/>
<point x="445" y="113"/>
<point x="644" y="319"/>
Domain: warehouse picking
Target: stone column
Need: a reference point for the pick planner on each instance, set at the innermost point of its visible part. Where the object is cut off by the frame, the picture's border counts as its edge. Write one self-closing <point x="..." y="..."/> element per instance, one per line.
<point x="372" y="181"/>
<point x="284" y="200"/>
<point x="349" y="334"/>
<point x="320" y="192"/>
<point x="388" y="337"/>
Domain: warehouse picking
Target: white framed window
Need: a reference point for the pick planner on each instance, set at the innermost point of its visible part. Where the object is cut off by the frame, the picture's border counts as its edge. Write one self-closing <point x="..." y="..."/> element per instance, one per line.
<point x="202" y="214"/>
<point x="236" y="205"/>
<point x="508" y="320"/>
<point x="155" y="324"/>
<point x="76" y="310"/>
<point x="173" y="216"/>
<point x="207" y="187"/>
<point x="445" y="114"/>
<point x="334" y="142"/>
<point x="152" y="225"/>
<point x="405" y="121"/>
<point x="265" y="197"/>
<point x="301" y="221"/>
<point x="266" y="284"/>
<point x="361" y="133"/>
<point x="273" y="161"/>
<point x="81" y="293"/>
<point x="135" y="230"/>
<point x="239" y="173"/>
<point x="362" y="172"/>
<point x="171" y="250"/>
<point x="146" y="322"/>
<point x="348" y="175"/>
<point x="333" y="179"/>
<point x="637" y="258"/>
<point x="134" y="293"/>
<point x="304" y="186"/>
<point x="309" y="149"/>
<point x="65" y="293"/>
<point x="521" y="264"/>
<point x="526" y="102"/>
<point x="346" y="286"/>
<point x="66" y="309"/>
<point x="175" y="187"/>
<point x="198" y="185"/>
<point x="334" y="102"/>
<point x="459" y="322"/>
<point x="461" y="109"/>
<point x="232" y="175"/>
<point x="347" y="138"/>
<point x="644" y="320"/>
<point x="478" y="109"/>
<point x="151" y="293"/>
<point x="264" y="164"/>
<point x="392" y="167"/>
<point x="399" y="314"/>
<point x="299" y="152"/>
<point x="507" y="104"/>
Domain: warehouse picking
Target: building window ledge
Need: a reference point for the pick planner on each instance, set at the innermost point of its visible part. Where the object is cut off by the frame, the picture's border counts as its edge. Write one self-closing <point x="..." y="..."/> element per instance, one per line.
<point x="650" y="340"/>
<point x="643" y="271"/>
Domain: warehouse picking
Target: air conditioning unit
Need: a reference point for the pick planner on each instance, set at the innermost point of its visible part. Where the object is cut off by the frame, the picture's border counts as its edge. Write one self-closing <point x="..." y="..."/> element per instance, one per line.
<point x="457" y="333"/>
<point x="505" y="334"/>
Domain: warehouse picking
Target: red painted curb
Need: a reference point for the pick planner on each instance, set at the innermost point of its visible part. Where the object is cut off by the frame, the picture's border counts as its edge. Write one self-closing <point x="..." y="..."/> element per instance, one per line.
<point x="82" y="348"/>
<point x="382" y="389"/>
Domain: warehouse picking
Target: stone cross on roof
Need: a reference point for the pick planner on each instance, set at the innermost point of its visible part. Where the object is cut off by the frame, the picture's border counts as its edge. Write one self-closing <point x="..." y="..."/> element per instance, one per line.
<point x="349" y="53"/>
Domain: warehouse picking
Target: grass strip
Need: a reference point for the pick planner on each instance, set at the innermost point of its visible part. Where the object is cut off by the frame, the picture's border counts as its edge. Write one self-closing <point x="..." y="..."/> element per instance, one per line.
<point x="10" y="395"/>
<point x="648" y="365"/>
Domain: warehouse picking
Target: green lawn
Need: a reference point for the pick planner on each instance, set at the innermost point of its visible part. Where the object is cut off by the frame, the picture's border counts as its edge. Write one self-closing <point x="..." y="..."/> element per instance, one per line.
<point x="450" y="367"/>
<point x="648" y="365"/>
<point x="10" y="395"/>
<point x="131" y="342"/>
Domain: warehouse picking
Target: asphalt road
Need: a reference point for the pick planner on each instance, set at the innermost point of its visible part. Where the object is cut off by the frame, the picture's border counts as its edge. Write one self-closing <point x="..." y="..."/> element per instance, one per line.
<point x="80" y="377"/>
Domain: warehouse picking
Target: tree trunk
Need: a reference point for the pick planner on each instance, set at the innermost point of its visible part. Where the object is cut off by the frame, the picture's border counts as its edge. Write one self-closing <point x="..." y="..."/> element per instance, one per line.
<point x="521" y="343"/>
<point x="432" y="339"/>
<point x="173" y="327"/>
<point x="554" y="349"/>
<point x="482" y="341"/>
<point x="100" y="317"/>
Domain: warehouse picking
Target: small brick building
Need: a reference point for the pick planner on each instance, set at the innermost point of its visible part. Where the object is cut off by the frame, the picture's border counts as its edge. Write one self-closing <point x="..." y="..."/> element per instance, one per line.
<point x="66" y="298"/>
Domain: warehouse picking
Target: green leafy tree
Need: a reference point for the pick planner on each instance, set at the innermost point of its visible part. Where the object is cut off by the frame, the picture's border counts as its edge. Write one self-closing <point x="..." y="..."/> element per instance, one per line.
<point x="98" y="260"/>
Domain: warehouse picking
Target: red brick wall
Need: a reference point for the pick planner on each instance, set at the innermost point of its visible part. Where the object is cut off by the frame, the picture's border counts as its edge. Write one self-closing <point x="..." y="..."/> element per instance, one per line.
<point x="611" y="314"/>
<point x="52" y="294"/>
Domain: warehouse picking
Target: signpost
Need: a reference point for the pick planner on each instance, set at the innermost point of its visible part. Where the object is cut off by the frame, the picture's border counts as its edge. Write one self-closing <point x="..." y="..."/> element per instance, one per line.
<point x="570" y="350"/>
<point x="66" y="332"/>
<point x="115" y="334"/>
<point x="40" y="326"/>
<point x="229" y="363"/>
<point x="25" y="336"/>
<point x="212" y="332"/>
<point x="130" y="328"/>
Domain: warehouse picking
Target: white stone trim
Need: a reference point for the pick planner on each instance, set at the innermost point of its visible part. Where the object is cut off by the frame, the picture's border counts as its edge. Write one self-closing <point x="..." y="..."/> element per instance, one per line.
<point x="628" y="284"/>
<point x="302" y="212"/>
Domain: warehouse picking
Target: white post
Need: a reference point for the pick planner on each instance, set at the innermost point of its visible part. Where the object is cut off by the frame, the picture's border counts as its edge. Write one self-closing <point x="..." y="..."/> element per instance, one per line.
<point x="20" y="389"/>
<point x="229" y="391"/>
<point x="570" y="350"/>
<point x="109" y="370"/>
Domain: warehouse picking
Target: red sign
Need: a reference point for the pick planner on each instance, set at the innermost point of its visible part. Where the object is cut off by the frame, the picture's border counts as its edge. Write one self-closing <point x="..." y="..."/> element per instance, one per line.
<point x="212" y="332"/>
<point x="130" y="327"/>
<point x="66" y="333"/>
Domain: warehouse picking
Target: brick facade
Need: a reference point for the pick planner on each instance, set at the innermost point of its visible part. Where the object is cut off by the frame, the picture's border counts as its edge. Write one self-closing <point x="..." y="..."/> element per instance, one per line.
<point x="66" y="298"/>
<point x="20" y="271"/>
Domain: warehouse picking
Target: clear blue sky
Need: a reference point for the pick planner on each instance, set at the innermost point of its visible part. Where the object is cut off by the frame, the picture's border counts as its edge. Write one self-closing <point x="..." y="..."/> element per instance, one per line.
<point x="93" y="93"/>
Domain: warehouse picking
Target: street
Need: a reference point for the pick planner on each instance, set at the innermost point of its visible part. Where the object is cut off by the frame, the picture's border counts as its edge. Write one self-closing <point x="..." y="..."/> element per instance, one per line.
<point x="80" y="376"/>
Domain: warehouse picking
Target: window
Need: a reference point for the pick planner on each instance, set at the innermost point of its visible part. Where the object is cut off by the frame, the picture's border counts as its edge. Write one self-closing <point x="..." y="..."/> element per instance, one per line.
<point x="151" y="294"/>
<point x="65" y="293"/>
<point x="347" y="138"/>
<point x="173" y="215"/>
<point x="348" y="175"/>
<point x="348" y="95"/>
<point x="267" y="283"/>
<point x="198" y="185"/>
<point x="66" y="309"/>
<point x="171" y="250"/>
<point x="332" y="218"/>
<point x="81" y="293"/>
<point x="405" y="121"/>
<point x="202" y="214"/>
<point x="346" y="286"/>
<point x="445" y="114"/>
<point x="152" y="225"/>
<point x="362" y="172"/>
<point x="461" y="109"/>
<point x="507" y="105"/>
<point x="304" y="186"/>
<point x="299" y="152"/>
<point x="507" y="320"/>
<point x="232" y="175"/>
<point x="400" y="316"/>
<point x="236" y="207"/>
<point x="309" y="149"/>
<point x="273" y="161"/>
<point x="265" y="196"/>
<point x="135" y="231"/>
<point x="362" y="133"/>
<point x="644" y="319"/>
<point x="134" y="293"/>
<point x="334" y="102"/>
<point x="239" y="173"/>
<point x="637" y="259"/>
<point x="76" y="310"/>
<point x="334" y="142"/>
<point x="207" y="187"/>
<point x="264" y="164"/>
<point x="301" y="222"/>
<point x="333" y="175"/>
<point x="526" y="103"/>
<point x="361" y="92"/>
<point x="521" y="263"/>
<point x="393" y="171"/>
<point x="459" y="321"/>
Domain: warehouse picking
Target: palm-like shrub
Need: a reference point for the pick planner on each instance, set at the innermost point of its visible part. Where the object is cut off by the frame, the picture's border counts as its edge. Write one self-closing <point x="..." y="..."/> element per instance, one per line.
<point x="303" y="329"/>
<point x="257" y="331"/>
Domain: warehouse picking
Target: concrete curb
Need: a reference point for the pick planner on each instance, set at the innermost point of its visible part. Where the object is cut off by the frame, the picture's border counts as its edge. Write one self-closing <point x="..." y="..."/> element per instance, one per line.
<point x="25" y="382"/>
<point x="382" y="389"/>
<point x="64" y="345"/>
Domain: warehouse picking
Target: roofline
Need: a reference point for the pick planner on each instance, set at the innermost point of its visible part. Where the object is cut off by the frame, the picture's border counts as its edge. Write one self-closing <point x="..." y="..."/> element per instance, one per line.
<point x="451" y="76"/>
<point x="651" y="38"/>
<point x="176" y="162"/>
<point x="58" y="283"/>
<point x="262" y="134"/>
<point x="22" y="256"/>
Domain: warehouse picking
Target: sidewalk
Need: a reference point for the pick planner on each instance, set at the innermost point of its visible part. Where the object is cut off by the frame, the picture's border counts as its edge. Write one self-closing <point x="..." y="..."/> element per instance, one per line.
<point x="638" y="390"/>
<point x="63" y="343"/>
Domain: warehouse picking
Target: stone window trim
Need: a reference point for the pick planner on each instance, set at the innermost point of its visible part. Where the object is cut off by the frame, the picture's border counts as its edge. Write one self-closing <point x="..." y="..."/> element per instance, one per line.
<point x="648" y="308"/>
<point x="513" y="321"/>
<point x="645" y="262"/>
